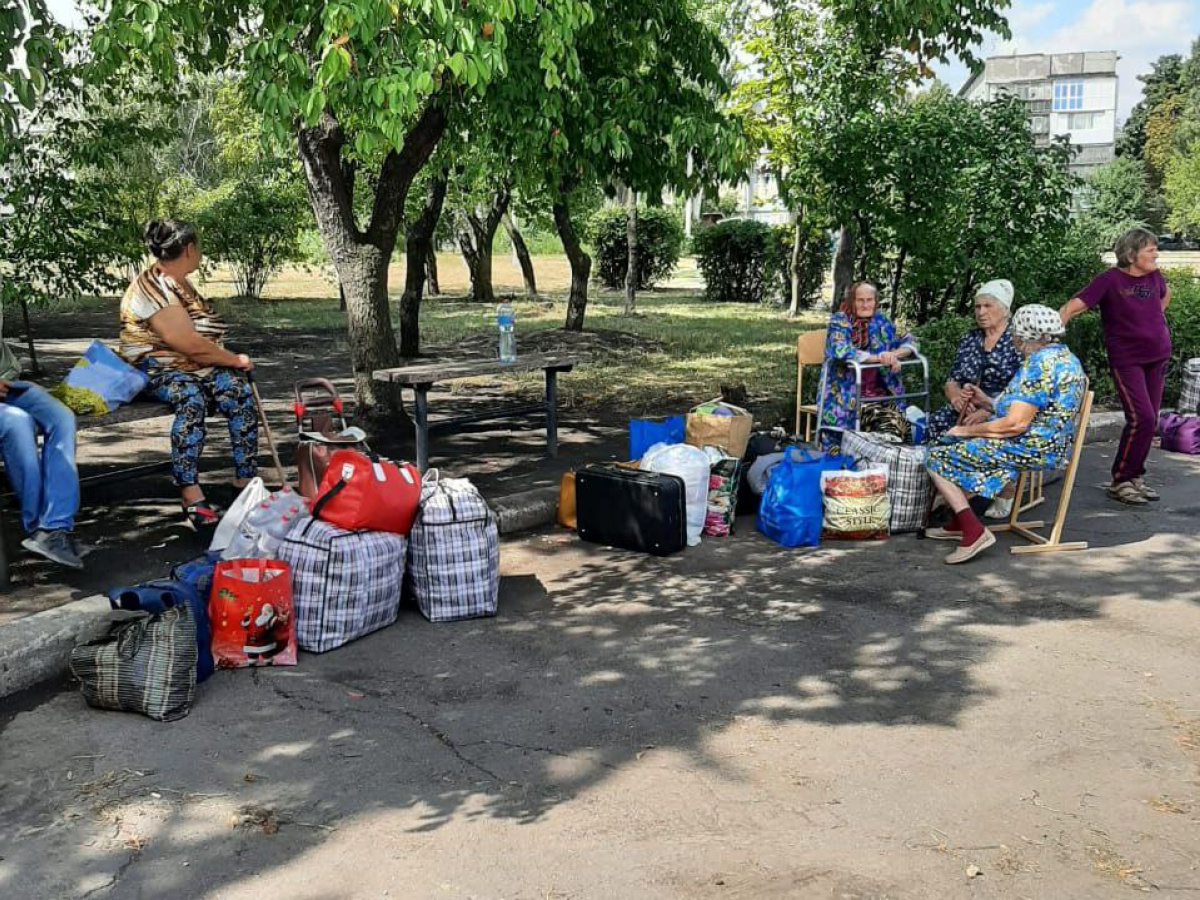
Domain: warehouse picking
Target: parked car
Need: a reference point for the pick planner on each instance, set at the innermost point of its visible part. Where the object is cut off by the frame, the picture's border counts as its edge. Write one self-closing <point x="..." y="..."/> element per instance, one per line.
<point x="1182" y="242"/>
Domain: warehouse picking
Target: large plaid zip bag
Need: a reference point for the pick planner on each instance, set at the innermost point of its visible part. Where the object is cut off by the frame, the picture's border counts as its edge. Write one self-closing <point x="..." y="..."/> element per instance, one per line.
<point x="454" y="551"/>
<point x="146" y="664"/>
<point x="345" y="584"/>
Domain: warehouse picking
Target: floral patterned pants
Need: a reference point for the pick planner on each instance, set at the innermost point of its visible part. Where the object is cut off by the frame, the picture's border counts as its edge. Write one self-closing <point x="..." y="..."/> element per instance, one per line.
<point x="193" y="397"/>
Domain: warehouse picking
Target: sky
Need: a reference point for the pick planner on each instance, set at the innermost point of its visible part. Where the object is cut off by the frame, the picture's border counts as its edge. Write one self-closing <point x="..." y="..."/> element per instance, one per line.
<point x="1139" y="30"/>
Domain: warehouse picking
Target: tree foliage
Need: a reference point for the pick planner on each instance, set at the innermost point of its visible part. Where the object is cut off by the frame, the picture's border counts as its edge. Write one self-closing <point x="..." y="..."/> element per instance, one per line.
<point x="30" y="50"/>
<point x="952" y="193"/>
<point x="1182" y="189"/>
<point x="659" y="243"/>
<point x="63" y="232"/>
<point x="1118" y="197"/>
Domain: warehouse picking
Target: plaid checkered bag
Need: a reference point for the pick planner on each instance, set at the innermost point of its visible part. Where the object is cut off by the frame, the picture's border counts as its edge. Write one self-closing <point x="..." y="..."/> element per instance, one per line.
<point x="146" y="665"/>
<point x="908" y="482"/>
<point x="1189" y="395"/>
<point x="345" y="584"/>
<point x="454" y="552"/>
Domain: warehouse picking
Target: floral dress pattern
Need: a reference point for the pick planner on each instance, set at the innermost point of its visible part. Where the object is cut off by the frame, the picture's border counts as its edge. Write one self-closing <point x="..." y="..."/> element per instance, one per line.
<point x="1051" y="379"/>
<point x="991" y="369"/>
<point x="838" y="397"/>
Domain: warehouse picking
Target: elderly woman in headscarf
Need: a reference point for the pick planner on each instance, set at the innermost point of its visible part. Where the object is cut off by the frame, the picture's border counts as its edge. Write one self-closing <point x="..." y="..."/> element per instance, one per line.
<point x="986" y="360"/>
<point x="1030" y="429"/>
<point x="859" y="331"/>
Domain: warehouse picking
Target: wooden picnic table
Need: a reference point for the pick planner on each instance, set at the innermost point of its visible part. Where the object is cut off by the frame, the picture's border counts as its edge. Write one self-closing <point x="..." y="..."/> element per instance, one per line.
<point x="420" y="378"/>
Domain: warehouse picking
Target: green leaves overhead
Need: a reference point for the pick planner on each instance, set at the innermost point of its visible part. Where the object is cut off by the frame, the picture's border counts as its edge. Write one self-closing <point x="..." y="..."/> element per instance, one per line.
<point x="374" y="64"/>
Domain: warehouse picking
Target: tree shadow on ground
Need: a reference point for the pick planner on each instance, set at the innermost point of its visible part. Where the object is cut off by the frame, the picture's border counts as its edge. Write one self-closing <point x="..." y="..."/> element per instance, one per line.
<point x="599" y="660"/>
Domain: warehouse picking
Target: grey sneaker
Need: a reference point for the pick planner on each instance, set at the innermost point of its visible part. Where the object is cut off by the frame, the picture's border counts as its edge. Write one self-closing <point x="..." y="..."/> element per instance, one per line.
<point x="56" y="546"/>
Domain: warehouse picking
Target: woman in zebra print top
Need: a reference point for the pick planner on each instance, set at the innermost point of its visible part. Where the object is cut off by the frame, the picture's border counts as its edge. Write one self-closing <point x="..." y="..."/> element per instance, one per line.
<point x="169" y="331"/>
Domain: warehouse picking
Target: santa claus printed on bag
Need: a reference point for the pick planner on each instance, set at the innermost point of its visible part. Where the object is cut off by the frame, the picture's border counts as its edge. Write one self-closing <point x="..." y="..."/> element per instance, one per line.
<point x="266" y="633"/>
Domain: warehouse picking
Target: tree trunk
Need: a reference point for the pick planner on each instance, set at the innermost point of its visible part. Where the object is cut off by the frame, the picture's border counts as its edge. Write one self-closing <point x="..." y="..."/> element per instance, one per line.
<point x="476" y="235"/>
<point x="896" y="278"/>
<point x="794" y="271"/>
<point x="464" y="232"/>
<point x="631" y="249"/>
<point x="417" y="244"/>
<point x="581" y="265"/>
<point x="431" y="270"/>
<point x="34" y="369"/>
<point x="843" y="265"/>
<point x="360" y="257"/>
<point x="522" y="253"/>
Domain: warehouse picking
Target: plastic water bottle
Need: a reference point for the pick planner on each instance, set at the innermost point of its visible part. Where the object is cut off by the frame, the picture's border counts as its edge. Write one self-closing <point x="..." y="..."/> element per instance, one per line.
<point x="506" y="321"/>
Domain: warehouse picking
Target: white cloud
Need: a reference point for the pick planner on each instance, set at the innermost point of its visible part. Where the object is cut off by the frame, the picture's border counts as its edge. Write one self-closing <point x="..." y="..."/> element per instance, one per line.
<point x="1027" y="16"/>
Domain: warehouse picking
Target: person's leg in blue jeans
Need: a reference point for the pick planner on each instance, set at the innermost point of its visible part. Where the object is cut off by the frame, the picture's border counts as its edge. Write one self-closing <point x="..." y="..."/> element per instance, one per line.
<point x="46" y="483"/>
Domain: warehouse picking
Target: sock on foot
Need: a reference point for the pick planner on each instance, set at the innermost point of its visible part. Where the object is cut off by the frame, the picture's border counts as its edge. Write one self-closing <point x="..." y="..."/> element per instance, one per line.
<point x="952" y="523"/>
<point x="971" y="527"/>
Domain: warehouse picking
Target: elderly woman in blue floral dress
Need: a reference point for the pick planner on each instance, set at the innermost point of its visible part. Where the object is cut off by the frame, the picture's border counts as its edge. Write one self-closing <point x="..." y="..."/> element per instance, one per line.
<point x="1031" y="429"/>
<point x="858" y="331"/>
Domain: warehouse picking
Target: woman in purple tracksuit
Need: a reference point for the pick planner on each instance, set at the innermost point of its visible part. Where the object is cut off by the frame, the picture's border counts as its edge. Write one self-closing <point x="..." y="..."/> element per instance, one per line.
<point x="1133" y="298"/>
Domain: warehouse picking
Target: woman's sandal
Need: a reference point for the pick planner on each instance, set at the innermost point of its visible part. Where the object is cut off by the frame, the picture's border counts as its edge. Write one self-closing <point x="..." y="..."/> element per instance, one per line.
<point x="1126" y="492"/>
<point x="202" y="514"/>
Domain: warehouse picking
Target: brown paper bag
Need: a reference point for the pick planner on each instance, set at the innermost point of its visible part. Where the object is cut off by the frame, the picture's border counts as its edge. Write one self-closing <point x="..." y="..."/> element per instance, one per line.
<point x="730" y="433"/>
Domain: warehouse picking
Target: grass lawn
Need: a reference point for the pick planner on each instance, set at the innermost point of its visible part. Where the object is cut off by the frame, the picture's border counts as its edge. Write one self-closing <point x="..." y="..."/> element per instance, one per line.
<point x="677" y="350"/>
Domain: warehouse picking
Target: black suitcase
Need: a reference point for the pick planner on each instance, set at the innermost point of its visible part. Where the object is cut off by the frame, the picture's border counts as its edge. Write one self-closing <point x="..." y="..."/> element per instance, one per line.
<point x="631" y="509"/>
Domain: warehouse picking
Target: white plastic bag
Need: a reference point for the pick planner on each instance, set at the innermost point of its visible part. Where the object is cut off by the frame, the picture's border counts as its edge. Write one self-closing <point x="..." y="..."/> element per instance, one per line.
<point x="264" y="527"/>
<point x="251" y="496"/>
<point x="691" y="464"/>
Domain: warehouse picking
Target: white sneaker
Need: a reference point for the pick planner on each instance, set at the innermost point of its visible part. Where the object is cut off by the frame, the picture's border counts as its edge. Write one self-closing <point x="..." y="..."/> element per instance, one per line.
<point x="1001" y="508"/>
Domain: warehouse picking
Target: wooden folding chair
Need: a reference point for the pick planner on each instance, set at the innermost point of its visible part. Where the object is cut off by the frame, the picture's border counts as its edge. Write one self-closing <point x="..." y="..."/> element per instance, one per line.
<point x="1029" y="494"/>
<point x="810" y="351"/>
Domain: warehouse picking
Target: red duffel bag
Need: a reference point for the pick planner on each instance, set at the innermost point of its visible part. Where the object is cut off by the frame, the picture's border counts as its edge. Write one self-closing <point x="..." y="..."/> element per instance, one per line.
<point x="367" y="492"/>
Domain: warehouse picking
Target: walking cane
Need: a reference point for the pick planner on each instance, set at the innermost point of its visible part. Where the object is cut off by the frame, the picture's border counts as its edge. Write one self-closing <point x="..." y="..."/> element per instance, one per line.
<point x="262" y="417"/>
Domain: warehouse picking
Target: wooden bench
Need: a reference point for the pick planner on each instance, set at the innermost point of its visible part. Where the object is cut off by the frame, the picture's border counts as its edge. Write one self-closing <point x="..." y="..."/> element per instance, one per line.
<point x="420" y="378"/>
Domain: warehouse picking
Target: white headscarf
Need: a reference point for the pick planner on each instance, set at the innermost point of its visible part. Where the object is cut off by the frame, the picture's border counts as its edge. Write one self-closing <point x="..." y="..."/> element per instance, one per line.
<point x="1000" y="290"/>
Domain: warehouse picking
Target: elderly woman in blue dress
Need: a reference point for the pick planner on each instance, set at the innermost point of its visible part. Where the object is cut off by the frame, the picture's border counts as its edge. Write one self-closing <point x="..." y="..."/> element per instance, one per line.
<point x="986" y="361"/>
<point x="1030" y="428"/>
<point x="858" y="331"/>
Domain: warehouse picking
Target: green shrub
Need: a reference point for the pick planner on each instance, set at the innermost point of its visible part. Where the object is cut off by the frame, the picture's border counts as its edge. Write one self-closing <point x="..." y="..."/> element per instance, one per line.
<point x="815" y="258"/>
<point x="939" y="341"/>
<point x="735" y="257"/>
<point x="659" y="244"/>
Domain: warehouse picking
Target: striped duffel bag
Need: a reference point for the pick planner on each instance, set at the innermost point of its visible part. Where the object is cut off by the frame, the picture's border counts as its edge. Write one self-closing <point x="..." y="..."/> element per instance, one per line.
<point x="454" y="551"/>
<point x="345" y="584"/>
<point x="146" y="664"/>
<point x="1189" y="394"/>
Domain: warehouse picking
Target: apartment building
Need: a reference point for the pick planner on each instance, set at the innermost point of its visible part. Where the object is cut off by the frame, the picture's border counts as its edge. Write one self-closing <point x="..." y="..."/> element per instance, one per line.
<point x="1065" y="94"/>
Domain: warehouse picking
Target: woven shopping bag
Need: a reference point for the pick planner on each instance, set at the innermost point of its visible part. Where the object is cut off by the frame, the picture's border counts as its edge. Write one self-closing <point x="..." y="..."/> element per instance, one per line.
<point x="454" y="552"/>
<point x="145" y="665"/>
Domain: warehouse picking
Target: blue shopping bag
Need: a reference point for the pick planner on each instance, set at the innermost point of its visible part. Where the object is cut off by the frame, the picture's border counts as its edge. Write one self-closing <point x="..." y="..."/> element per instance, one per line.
<point x="791" y="509"/>
<point x="645" y="433"/>
<point x="104" y="378"/>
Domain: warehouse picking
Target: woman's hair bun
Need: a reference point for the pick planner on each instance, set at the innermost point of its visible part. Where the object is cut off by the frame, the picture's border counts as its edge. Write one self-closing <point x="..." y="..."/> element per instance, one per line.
<point x="166" y="239"/>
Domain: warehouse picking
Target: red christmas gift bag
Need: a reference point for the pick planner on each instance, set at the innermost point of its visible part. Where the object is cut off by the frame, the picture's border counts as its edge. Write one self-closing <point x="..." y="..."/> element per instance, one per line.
<point x="250" y="609"/>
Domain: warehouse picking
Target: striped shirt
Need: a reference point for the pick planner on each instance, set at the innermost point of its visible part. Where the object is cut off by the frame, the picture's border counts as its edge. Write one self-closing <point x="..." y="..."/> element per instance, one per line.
<point x="150" y="293"/>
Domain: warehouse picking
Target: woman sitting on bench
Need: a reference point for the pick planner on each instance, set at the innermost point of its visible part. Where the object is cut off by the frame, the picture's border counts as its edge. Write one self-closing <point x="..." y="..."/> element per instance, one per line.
<point x="1031" y="429"/>
<point x="171" y="333"/>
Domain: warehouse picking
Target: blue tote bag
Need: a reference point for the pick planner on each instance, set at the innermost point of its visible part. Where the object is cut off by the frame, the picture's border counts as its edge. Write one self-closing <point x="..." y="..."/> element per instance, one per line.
<point x="791" y="509"/>
<point x="645" y="433"/>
